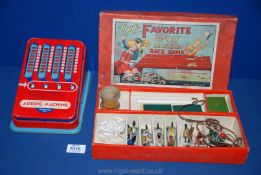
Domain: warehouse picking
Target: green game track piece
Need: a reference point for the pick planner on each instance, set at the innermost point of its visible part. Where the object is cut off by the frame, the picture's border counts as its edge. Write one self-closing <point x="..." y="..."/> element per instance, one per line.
<point x="157" y="107"/>
<point x="192" y="108"/>
<point x="217" y="104"/>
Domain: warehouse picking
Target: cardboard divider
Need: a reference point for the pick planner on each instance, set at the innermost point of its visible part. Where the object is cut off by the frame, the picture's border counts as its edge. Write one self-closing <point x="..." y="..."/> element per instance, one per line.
<point x="169" y="101"/>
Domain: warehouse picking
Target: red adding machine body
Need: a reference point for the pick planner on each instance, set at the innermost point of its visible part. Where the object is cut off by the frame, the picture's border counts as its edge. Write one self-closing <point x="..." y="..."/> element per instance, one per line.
<point x="50" y="85"/>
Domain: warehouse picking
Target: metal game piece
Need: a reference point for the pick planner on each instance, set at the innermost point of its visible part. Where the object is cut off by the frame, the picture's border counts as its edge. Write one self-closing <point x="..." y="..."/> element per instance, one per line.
<point x="132" y="133"/>
<point x="171" y="135"/>
<point x="146" y="138"/>
<point x="188" y="134"/>
<point x="159" y="139"/>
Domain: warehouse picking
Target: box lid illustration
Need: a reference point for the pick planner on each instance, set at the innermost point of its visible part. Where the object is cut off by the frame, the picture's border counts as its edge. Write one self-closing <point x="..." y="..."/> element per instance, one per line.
<point x="170" y="50"/>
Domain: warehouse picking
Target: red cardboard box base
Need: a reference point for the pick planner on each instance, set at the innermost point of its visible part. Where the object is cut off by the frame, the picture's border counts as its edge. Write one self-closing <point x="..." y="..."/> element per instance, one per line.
<point x="170" y="59"/>
<point x="213" y="155"/>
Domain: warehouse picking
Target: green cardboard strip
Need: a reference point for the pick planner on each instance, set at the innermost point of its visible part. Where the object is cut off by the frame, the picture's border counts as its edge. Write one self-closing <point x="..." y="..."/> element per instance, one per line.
<point x="217" y="104"/>
<point x="169" y="107"/>
<point x="192" y="108"/>
<point x="157" y="107"/>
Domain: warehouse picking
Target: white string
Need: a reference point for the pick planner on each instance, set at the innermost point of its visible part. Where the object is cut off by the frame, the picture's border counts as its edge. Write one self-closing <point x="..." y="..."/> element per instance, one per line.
<point x="111" y="129"/>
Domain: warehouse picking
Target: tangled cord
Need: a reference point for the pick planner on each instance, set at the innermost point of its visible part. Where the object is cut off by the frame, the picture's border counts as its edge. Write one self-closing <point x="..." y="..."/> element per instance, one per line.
<point x="214" y="125"/>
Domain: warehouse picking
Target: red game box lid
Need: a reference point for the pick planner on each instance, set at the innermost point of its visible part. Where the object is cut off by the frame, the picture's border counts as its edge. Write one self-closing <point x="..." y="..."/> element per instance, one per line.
<point x="171" y="50"/>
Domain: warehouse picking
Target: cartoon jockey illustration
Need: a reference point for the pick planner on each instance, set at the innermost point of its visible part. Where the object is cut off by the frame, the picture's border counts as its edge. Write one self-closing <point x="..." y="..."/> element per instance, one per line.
<point x="195" y="47"/>
<point x="140" y="45"/>
<point x="123" y="65"/>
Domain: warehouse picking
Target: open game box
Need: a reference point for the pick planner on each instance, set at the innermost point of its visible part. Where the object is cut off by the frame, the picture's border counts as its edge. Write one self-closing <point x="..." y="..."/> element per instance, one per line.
<point x="162" y="89"/>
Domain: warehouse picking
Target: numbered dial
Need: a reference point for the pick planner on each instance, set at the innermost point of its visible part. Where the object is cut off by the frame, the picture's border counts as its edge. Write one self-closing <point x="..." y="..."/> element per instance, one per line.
<point x="44" y="62"/>
<point x="57" y="62"/>
<point x="30" y="61"/>
<point x="69" y="63"/>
